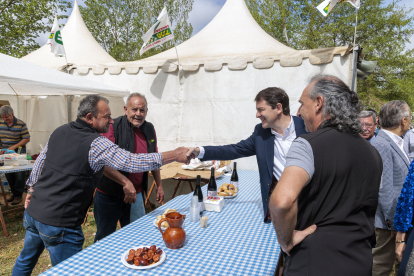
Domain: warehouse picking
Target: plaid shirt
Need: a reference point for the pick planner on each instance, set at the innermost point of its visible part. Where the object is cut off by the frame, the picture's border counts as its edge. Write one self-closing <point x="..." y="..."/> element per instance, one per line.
<point x="105" y="153"/>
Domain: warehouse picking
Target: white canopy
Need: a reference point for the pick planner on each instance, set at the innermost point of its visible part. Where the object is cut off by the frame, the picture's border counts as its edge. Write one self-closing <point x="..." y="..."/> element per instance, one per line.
<point x="38" y="96"/>
<point x="233" y="38"/>
<point x="80" y="46"/>
<point x="210" y="100"/>
<point x="19" y="77"/>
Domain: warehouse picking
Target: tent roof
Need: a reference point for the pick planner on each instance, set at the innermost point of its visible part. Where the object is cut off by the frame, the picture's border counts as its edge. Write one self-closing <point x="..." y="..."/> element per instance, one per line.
<point x="80" y="46"/>
<point x="19" y="77"/>
<point x="233" y="37"/>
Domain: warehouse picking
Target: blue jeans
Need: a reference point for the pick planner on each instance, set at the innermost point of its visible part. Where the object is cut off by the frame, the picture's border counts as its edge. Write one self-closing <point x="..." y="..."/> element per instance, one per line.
<point x="61" y="243"/>
<point x="137" y="208"/>
<point x="108" y="210"/>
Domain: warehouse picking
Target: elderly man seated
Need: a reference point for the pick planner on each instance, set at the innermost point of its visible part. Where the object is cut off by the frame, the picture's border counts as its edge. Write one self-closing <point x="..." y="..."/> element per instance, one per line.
<point x="13" y="134"/>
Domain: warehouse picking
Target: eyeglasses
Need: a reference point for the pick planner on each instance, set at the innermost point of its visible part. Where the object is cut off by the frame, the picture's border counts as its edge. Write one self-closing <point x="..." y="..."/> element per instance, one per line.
<point x="368" y="126"/>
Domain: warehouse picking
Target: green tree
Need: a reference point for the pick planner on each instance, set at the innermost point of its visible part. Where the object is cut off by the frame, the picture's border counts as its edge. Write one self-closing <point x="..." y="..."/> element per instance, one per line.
<point x="383" y="31"/>
<point x="119" y="24"/>
<point x="22" y="21"/>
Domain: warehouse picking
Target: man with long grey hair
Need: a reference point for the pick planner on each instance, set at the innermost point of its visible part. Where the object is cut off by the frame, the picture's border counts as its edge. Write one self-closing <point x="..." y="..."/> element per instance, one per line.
<point x="368" y="125"/>
<point x="323" y="207"/>
<point x="394" y="118"/>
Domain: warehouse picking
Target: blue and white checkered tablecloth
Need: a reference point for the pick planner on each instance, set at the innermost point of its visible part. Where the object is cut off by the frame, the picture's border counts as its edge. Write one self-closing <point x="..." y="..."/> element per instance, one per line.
<point x="236" y="241"/>
<point x="18" y="169"/>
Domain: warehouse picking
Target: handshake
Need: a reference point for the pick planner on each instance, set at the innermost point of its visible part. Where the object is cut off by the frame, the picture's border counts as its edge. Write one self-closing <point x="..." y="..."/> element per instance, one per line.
<point x="182" y="155"/>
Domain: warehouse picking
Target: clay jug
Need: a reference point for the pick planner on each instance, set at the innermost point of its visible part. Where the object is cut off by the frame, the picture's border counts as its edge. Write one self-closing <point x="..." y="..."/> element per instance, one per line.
<point x="174" y="235"/>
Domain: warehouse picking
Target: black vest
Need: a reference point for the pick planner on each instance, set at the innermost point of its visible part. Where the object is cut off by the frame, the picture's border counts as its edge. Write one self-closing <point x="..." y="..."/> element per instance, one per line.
<point x="125" y="139"/>
<point x="65" y="188"/>
<point x="341" y="199"/>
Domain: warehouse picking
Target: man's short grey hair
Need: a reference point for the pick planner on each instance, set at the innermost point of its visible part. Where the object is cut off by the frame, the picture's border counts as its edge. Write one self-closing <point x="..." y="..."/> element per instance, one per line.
<point x="6" y="109"/>
<point x="366" y="114"/>
<point x="90" y="105"/>
<point x="392" y="113"/>
<point x="136" y="94"/>
<point x="341" y="106"/>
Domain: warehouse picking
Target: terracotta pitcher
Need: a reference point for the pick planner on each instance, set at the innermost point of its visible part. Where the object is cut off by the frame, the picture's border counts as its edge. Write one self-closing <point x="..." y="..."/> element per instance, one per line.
<point x="174" y="235"/>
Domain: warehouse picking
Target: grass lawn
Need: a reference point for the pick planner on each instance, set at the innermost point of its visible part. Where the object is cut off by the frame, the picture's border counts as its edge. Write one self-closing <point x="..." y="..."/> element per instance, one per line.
<point x="11" y="246"/>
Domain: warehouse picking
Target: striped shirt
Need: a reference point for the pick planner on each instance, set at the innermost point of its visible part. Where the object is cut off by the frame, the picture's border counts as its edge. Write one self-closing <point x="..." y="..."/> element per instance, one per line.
<point x="11" y="135"/>
<point x="105" y="153"/>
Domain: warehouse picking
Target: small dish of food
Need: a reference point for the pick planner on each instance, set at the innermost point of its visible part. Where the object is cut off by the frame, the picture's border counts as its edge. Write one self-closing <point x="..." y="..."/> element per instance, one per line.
<point x="143" y="257"/>
<point x="227" y="190"/>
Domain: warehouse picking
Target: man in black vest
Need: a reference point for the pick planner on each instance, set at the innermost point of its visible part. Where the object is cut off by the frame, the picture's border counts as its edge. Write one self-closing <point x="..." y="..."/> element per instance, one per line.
<point x="133" y="133"/>
<point x="323" y="207"/>
<point x="64" y="179"/>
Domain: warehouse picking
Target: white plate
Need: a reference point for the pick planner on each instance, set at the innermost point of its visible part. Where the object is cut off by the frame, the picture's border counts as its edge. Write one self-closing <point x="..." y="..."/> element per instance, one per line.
<point x="232" y="195"/>
<point x="6" y="167"/>
<point x="163" y="228"/>
<point x="125" y="256"/>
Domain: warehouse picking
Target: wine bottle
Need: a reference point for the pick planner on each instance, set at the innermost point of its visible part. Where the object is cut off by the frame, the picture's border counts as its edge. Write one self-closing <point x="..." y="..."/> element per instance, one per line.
<point x="212" y="186"/>
<point x="198" y="192"/>
<point x="234" y="177"/>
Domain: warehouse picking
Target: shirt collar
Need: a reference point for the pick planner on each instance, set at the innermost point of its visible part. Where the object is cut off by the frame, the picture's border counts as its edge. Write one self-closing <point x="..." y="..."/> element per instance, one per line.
<point x="397" y="139"/>
<point x="288" y="131"/>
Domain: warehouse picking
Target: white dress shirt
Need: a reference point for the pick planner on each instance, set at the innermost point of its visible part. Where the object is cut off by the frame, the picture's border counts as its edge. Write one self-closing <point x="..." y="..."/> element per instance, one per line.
<point x="398" y="140"/>
<point x="281" y="148"/>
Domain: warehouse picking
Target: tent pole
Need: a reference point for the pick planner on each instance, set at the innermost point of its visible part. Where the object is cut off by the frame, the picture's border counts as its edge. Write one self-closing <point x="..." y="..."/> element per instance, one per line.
<point x="18" y="102"/>
<point x="354" y="67"/>
<point x="356" y="53"/>
<point x="69" y="108"/>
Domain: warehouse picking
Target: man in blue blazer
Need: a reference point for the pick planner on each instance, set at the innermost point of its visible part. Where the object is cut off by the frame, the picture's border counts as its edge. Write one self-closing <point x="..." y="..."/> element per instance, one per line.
<point x="394" y="118"/>
<point x="270" y="141"/>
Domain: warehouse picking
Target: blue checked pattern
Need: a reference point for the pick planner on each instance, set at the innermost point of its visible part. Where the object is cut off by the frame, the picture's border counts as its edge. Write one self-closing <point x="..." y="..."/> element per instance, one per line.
<point x="18" y="169"/>
<point x="105" y="153"/>
<point x="236" y="241"/>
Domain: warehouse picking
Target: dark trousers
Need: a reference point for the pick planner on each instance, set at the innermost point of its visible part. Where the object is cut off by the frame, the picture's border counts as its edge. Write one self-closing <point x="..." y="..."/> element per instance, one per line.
<point x="107" y="211"/>
<point x="16" y="181"/>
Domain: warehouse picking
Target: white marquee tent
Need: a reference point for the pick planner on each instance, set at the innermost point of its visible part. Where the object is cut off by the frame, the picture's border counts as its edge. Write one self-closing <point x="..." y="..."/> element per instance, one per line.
<point x="80" y="46"/>
<point x="209" y="99"/>
<point x="39" y="96"/>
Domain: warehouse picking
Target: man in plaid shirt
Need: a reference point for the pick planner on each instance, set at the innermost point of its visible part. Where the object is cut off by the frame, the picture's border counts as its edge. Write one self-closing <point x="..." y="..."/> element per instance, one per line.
<point x="64" y="178"/>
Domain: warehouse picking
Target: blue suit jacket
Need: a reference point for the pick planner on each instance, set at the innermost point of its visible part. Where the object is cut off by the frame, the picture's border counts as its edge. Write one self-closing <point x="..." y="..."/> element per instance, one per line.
<point x="260" y="143"/>
<point x="395" y="171"/>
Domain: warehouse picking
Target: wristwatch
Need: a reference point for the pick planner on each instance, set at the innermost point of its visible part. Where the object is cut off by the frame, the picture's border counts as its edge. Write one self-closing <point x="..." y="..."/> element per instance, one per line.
<point x="30" y="192"/>
<point x="397" y="241"/>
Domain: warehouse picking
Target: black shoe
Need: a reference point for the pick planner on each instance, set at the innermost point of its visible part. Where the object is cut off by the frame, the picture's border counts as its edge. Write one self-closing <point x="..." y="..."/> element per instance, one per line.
<point x="10" y="199"/>
<point x="16" y="201"/>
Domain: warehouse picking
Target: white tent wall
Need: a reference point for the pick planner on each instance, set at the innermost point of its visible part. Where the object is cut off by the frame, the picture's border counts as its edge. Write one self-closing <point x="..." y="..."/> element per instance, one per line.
<point x="215" y="107"/>
<point x="44" y="114"/>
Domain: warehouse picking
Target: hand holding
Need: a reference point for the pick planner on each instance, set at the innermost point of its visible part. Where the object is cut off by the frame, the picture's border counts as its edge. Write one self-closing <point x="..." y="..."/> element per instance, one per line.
<point x="181" y="155"/>
<point x="130" y="193"/>
<point x="193" y="152"/>
<point x="298" y="237"/>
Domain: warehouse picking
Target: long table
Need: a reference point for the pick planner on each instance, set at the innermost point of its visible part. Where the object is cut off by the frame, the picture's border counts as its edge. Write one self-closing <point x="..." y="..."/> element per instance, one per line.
<point x="28" y="167"/>
<point x="236" y="241"/>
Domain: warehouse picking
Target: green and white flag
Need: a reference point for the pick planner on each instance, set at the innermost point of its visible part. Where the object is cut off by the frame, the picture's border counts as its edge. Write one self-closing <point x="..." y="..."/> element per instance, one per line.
<point x="326" y="6"/>
<point x="55" y="40"/>
<point x="159" y="33"/>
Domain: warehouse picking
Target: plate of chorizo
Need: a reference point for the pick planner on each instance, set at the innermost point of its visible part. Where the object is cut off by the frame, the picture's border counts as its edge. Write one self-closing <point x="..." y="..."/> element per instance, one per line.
<point x="143" y="257"/>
